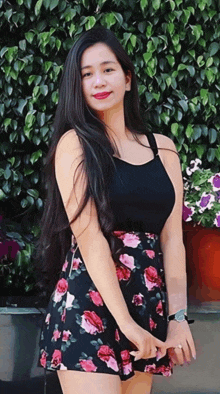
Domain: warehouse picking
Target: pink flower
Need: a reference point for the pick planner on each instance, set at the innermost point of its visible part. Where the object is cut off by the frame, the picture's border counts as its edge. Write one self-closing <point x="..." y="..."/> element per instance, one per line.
<point x="150" y="368"/>
<point x="150" y="235"/>
<point x="105" y="353"/>
<point x="96" y="297"/>
<point x="166" y="371"/>
<point x="56" y="358"/>
<point x="76" y="263"/>
<point x="130" y="239"/>
<point x="66" y="335"/>
<point x="126" y="362"/>
<point x="159" y="308"/>
<point x="150" y="253"/>
<point x="117" y="337"/>
<point x="65" y="266"/>
<point x="69" y="300"/>
<point x="61" y="289"/>
<point x="152" y="324"/>
<point x="43" y="359"/>
<point x="123" y="273"/>
<point x="56" y="335"/>
<point x="91" y="322"/>
<point x="47" y="320"/>
<point x="152" y="278"/>
<point x="127" y="260"/>
<point x="62" y="286"/>
<point x="138" y="299"/>
<point x="88" y="365"/>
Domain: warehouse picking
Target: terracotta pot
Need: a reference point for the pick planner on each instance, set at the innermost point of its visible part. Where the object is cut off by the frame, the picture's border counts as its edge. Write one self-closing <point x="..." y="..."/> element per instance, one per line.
<point x="203" y="261"/>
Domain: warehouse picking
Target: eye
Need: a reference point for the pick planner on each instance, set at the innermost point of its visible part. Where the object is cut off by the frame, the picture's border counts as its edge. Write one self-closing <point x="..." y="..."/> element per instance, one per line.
<point x="109" y="69"/>
<point x="84" y="75"/>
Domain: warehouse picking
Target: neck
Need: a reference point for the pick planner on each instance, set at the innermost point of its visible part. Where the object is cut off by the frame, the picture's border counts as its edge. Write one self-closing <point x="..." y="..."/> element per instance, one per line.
<point x="115" y="123"/>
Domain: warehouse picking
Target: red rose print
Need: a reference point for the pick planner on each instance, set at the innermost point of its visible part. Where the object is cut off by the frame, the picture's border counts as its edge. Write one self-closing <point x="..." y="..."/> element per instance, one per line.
<point x="159" y="308"/>
<point x="117" y="337"/>
<point x="106" y="354"/>
<point x="96" y="297"/>
<point x="62" y="286"/>
<point x="88" y="365"/>
<point x="151" y="278"/>
<point x="165" y="370"/>
<point x="76" y="263"/>
<point x="138" y="299"/>
<point x="56" y="335"/>
<point x="119" y="233"/>
<point x="123" y="273"/>
<point x="126" y="362"/>
<point x="152" y="324"/>
<point x="43" y="359"/>
<point x="150" y="253"/>
<point x="56" y="358"/>
<point x="91" y="322"/>
<point x="150" y="368"/>
<point x="66" y="335"/>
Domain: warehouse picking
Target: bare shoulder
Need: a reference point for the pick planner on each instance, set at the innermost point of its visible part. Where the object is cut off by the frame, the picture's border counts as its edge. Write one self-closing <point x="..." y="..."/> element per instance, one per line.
<point x="69" y="141"/>
<point x="165" y="142"/>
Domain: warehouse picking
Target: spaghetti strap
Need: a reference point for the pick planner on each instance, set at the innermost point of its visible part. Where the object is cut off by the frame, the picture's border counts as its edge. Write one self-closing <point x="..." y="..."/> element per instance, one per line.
<point x="152" y="142"/>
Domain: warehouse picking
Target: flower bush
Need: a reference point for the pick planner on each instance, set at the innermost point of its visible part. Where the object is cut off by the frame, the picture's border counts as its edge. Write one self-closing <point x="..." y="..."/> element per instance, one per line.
<point x="16" y="268"/>
<point x="202" y="195"/>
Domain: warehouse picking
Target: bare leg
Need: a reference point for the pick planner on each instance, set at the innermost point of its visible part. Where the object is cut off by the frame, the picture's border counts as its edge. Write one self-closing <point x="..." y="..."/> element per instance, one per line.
<point x="141" y="383"/>
<point x="81" y="382"/>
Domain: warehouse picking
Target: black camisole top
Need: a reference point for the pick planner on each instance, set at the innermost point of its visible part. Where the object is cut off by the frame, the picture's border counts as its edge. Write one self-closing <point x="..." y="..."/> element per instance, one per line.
<point x="141" y="196"/>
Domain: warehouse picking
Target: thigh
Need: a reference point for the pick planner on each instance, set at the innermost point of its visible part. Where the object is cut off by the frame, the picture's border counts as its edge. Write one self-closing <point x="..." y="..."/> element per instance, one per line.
<point x="81" y="382"/>
<point x="140" y="383"/>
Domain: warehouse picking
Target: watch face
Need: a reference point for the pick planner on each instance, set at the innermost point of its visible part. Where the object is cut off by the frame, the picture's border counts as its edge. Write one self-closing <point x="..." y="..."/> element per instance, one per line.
<point x="180" y="316"/>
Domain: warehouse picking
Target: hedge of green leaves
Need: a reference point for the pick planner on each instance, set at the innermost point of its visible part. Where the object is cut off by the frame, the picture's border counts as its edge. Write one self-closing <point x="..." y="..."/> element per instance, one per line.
<point x="174" y="45"/>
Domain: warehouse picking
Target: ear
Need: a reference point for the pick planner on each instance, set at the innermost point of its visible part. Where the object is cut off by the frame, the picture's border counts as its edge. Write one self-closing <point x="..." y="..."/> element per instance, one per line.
<point x="128" y="80"/>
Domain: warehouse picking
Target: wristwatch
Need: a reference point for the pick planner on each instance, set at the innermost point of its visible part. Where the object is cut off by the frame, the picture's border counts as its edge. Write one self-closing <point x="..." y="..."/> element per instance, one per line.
<point x="179" y="316"/>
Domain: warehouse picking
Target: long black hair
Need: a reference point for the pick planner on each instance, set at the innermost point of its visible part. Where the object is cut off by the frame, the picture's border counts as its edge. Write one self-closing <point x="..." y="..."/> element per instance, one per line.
<point x="73" y="113"/>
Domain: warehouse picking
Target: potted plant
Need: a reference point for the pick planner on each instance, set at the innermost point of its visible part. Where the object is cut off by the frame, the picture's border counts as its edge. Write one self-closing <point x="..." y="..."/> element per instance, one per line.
<point x="20" y="302"/>
<point x="201" y="230"/>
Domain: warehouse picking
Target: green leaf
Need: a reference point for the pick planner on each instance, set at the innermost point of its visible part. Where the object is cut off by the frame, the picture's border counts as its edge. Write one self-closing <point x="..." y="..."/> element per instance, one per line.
<point x="38" y="7"/>
<point x="33" y="192"/>
<point x="144" y="4"/>
<point x="147" y="56"/>
<point x="35" y="156"/>
<point x="171" y="60"/>
<point x="189" y="131"/>
<point x="21" y="105"/>
<point x="209" y="61"/>
<point x="53" y="4"/>
<point x="91" y="22"/>
<point x="212" y="135"/>
<point x="184" y="105"/>
<point x="200" y="149"/>
<point x="29" y="36"/>
<point x="174" y="129"/>
<point x="133" y="40"/>
<point x="213" y="48"/>
<point x="156" y="4"/>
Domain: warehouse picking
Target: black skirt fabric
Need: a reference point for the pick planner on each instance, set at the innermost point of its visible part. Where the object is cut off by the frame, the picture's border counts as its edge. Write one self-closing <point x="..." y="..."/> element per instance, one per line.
<point x="79" y="332"/>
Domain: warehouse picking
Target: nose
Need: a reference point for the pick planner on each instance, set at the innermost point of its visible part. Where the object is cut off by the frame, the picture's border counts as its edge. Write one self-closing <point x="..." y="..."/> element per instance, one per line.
<point x="99" y="79"/>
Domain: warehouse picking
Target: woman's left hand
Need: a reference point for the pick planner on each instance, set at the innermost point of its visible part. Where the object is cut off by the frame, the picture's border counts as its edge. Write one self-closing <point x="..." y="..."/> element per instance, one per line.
<point x="180" y="334"/>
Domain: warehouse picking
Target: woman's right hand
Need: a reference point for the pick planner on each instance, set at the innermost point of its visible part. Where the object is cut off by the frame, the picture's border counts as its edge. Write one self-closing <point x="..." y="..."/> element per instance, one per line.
<point x="148" y="346"/>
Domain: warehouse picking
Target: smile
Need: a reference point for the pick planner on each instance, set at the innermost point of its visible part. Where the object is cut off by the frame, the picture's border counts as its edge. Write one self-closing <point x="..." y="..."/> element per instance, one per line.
<point x="100" y="96"/>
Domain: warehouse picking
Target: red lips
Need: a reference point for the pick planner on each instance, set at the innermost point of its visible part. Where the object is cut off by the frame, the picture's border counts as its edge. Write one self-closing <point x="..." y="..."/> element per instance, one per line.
<point x="102" y="95"/>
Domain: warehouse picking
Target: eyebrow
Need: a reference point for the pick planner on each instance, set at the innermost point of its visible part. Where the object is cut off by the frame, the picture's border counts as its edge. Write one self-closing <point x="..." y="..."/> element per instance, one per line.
<point x="105" y="62"/>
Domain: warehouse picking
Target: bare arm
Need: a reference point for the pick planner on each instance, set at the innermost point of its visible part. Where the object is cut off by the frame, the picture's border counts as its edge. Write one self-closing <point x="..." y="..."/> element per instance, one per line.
<point x="93" y="245"/>
<point x="172" y="236"/>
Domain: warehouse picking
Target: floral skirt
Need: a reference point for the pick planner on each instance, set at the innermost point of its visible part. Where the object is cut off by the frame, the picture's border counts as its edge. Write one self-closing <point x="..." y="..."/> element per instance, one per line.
<point x="80" y="333"/>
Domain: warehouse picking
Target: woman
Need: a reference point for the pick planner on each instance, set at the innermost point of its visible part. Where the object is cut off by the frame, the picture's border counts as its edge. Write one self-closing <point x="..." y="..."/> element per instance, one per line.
<point x="106" y="324"/>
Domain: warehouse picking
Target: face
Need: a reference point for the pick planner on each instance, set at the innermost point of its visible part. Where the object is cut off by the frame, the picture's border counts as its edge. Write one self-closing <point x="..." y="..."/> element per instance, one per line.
<point x="104" y="82"/>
